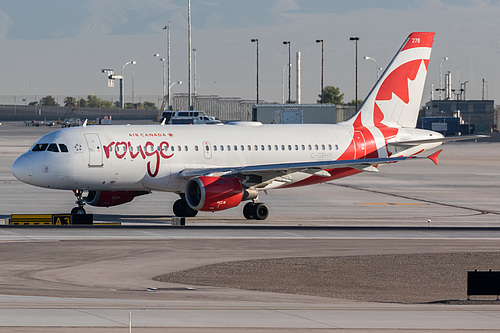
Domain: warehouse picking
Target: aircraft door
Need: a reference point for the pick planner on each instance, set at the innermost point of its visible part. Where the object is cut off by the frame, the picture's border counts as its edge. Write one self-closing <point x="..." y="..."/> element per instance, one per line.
<point x="207" y="149"/>
<point x="359" y="144"/>
<point x="95" y="149"/>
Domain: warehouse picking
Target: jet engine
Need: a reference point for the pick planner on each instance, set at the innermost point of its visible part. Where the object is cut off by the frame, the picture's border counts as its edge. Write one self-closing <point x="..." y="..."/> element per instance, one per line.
<point x="111" y="198"/>
<point x="214" y="193"/>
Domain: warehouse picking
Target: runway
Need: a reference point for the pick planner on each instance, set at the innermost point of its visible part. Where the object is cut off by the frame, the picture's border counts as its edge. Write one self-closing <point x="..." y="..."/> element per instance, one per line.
<point x="89" y="279"/>
<point x="93" y="277"/>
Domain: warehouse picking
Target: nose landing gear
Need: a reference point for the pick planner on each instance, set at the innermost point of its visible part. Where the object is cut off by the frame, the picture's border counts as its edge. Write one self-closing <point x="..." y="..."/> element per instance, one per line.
<point x="80" y="202"/>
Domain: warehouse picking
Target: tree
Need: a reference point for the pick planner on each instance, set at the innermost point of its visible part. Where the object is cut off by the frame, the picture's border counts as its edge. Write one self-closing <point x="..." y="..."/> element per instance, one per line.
<point x="48" y="101"/>
<point x="150" y="106"/>
<point x="353" y="102"/>
<point x="92" y="101"/>
<point x="70" y="101"/>
<point x="105" y="104"/>
<point x="331" y="95"/>
<point x="82" y="102"/>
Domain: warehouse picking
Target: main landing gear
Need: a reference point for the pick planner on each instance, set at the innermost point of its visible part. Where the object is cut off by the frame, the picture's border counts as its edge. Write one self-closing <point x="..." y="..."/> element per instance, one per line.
<point x="182" y="209"/>
<point x="80" y="202"/>
<point x="255" y="211"/>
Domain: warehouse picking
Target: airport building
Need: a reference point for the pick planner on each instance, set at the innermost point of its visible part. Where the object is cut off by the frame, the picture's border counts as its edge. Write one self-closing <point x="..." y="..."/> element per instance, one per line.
<point x="472" y="116"/>
<point x="301" y="113"/>
<point x="480" y="115"/>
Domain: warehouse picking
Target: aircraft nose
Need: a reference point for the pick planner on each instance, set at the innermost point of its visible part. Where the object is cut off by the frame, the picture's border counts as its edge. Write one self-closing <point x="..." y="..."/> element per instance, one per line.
<point x="22" y="168"/>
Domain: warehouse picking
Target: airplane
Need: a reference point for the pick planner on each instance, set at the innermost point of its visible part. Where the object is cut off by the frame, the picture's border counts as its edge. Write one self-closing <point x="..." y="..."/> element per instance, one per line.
<point x="216" y="167"/>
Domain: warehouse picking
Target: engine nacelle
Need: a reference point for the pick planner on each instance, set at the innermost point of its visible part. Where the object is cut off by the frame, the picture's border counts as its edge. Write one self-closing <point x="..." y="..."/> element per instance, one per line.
<point x="213" y="193"/>
<point x="111" y="198"/>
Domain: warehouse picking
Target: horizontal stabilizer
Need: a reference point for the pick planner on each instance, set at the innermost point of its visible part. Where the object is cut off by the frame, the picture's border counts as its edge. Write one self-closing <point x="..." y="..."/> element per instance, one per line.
<point x="443" y="139"/>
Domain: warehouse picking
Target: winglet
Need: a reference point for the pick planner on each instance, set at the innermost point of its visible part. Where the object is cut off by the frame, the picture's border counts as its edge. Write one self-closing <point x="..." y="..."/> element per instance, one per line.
<point x="434" y="157"/>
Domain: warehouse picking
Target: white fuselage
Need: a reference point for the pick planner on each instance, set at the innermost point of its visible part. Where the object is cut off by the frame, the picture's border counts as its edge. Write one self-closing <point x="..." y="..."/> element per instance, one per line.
<point x="150" y="157"/>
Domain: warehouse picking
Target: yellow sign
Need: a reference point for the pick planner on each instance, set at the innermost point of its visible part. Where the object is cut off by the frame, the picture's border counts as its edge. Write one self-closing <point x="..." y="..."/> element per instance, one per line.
<point x="61" y="219"/>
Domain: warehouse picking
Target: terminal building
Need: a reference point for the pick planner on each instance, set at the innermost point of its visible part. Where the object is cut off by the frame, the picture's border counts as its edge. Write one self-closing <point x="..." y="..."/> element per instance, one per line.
<point x="471" y="116"/>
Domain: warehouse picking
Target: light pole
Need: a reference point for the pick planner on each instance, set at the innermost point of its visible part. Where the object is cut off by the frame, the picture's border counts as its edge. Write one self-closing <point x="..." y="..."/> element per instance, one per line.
<point x="190" y="102"/>
<point x="169" y="99"/>
<point x="355" y="39"/>
<point x="441" y="77"/>
<point x="122" y="81"/>
<point x="167" y="30"/>
<point x="157" y="55"/>
<point x="376" y="63"/>
<point x="322" y="92"/>
<point x="283" y="84"/>
<point x="255" y="40"/>
<point x="289" y="69"/>
<point x="194" y="73"/>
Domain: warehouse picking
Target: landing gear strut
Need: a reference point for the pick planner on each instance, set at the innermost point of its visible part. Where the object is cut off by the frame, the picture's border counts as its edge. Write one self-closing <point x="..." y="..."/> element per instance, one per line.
<point x="182" y="209"/>
<point x="255" y="211"/>
<point x="80" y="202"/>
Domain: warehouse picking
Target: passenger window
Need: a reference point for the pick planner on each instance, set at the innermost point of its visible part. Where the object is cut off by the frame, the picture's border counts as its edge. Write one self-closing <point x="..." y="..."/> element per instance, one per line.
<point x="235" y="147"/>
<point x="172" y="148"/>
<point x="221" y="148"/>
<point x="289" y="147"/>
<point x="228" y="148"/>
<point x="186" y="148"/>
<point x="196" y="148"/>
<point x="215" y="148"/>
<point x="262" y="147"/>
<point x="322" y="147"/>
<point x="329" y="147"/>
<point x="275" y="147"/>
<point x="242" y="147"/>
<point x="296" y="147"/>
<point x="303" y="147"/>
<point x="40" y="147"/>
<point x="309" y="147"/>
<point x="316" y="147"/>
<point x="249" y="147"/>
<point x="269" y="147"/>
<point x="179" y="148"/>
<point x="63" y="148"/>
<point x="336" y="147"/>
<point x="282" y="147"/>
<point x="53" y="147"/>
<point x="256" y="147"/>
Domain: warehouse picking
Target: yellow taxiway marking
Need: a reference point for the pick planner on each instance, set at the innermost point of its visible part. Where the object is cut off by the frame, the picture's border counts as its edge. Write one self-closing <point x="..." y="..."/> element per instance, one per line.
<point x="392" y="203"/>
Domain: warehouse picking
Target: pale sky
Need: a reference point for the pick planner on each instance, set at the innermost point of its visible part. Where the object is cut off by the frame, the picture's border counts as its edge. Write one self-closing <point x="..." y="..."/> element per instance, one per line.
<point x="58" y="47"/>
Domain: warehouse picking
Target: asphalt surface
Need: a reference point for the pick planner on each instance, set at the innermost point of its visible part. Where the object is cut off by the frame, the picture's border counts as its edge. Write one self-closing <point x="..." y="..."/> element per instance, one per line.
<point x="405" y="239"/>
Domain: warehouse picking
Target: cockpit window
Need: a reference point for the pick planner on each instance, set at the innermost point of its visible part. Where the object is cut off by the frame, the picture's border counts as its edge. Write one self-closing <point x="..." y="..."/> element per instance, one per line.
<point x="53" y="147"/>
<point x="63" y="148"/>
<point x="40" y="147"/>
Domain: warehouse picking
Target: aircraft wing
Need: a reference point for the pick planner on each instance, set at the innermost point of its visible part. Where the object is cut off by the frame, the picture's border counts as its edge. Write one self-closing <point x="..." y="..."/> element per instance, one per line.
<point x="265" y="173"/>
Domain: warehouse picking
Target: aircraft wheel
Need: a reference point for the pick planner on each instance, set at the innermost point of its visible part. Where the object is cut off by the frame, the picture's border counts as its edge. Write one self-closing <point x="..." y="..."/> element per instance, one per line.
<point x="260" y="211"/>
<point x="182" y="209"/>
<point x="78" y="210"/>
<point x="248" y="211"/>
